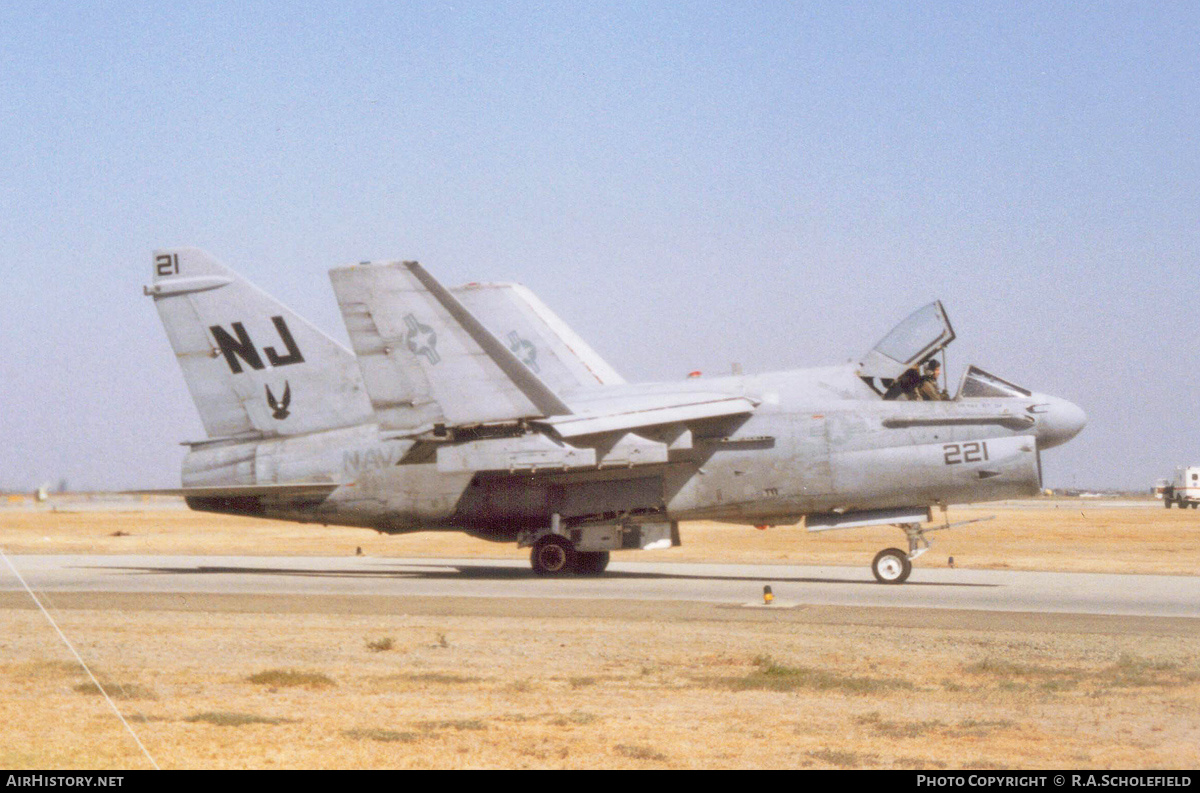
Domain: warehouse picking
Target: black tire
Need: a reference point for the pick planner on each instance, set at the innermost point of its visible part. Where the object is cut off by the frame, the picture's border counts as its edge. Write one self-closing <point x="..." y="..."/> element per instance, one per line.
<point x="891" y="566"/>
<point x="553" y="555"/>
<point x="590" y="562"/>
<point x="1166" y="502"/>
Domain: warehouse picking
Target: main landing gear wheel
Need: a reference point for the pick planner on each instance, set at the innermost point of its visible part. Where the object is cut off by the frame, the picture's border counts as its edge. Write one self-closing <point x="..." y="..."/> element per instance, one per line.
<point x="591" y="562"/>
<point x="553" y="555"/>
<point x="891" y="566"/>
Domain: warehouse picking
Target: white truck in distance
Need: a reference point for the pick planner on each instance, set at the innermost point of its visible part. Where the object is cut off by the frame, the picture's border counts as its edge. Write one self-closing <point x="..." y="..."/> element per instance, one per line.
<point x="1184" y="490"/>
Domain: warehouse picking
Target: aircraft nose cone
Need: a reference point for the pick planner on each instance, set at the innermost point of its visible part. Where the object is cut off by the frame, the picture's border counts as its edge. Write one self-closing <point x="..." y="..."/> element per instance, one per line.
<point x="1060" y="422"/>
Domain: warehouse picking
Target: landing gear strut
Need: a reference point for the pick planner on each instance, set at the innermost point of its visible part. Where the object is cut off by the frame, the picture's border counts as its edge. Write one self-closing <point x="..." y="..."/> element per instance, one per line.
<point x="918" y="543"/>
<point x="892" y="565"/>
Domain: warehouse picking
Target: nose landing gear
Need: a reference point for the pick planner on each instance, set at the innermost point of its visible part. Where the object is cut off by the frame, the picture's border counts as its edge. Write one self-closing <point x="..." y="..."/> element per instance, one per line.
<point x="893" y="566"/>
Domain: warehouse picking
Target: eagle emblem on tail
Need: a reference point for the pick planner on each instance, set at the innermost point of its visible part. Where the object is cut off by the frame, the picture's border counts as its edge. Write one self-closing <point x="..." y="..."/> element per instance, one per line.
<point x="279" y="409"/>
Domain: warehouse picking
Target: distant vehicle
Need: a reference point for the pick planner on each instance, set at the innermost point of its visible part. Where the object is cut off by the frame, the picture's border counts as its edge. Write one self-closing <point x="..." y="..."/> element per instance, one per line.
<point x="1184" y="489"/>
<point x="478" y="410"/>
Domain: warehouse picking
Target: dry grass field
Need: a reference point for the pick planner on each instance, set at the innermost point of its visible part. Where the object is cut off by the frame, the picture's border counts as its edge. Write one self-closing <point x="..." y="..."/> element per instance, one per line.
<point x="266" y="690"/>
<point x="248" y="683"/>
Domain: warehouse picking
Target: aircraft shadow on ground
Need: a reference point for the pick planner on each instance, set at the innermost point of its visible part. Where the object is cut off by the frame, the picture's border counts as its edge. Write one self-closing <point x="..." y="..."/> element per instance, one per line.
<point x="432" y="572"/>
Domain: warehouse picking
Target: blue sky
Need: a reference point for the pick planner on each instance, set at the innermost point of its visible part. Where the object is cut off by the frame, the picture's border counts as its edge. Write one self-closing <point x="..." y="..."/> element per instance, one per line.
<point x="688" y="185"/>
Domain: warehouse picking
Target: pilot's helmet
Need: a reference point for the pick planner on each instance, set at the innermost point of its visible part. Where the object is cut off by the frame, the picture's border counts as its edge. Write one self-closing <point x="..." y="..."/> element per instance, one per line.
<point x="932" y="365"/>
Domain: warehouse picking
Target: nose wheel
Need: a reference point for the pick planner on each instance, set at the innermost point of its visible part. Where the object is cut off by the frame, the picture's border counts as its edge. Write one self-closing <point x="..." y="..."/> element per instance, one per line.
<point x="891" y="566"/>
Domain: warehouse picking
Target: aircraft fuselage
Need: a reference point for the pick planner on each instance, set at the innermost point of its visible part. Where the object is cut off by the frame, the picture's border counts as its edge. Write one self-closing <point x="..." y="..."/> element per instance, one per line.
<point x="799" y="453"/>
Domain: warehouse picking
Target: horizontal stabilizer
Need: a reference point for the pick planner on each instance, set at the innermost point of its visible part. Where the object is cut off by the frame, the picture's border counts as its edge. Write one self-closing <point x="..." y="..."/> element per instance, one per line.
<point x="648" y="411"/>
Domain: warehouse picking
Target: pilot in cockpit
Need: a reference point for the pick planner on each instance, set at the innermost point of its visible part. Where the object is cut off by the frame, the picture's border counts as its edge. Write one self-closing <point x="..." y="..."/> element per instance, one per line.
<point x="928" y="389"/>
<point x="902" y="366"/>
<point x="913" y="385"/>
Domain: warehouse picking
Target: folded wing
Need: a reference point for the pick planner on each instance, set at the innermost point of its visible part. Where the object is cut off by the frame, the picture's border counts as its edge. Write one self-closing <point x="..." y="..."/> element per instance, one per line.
<point x="427" y="358"/>
<point x="424" y="355"/>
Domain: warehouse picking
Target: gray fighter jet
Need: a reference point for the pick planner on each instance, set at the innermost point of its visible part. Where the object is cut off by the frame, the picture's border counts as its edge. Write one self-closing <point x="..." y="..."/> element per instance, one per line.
<point x="478" y="410"/>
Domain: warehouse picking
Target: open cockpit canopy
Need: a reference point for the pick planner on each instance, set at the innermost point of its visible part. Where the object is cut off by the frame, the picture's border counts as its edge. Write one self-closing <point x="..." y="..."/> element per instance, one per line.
<point x="923" y="334"/>
<point x="892" y="366"/>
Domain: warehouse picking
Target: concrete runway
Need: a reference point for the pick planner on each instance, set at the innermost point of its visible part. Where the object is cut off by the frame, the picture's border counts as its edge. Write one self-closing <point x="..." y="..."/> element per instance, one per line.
<point x="498" y="580"/>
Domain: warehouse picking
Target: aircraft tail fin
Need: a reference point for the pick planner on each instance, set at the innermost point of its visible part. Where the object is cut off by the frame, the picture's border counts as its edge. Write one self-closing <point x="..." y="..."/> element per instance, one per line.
<point x="425" y="357"/>
<point x="251" y="364"/>
<point x="537" y="336"/>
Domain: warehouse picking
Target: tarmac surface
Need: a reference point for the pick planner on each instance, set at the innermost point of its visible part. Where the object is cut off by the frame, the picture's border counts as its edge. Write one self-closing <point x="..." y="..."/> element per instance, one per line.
<point x="396" y="581"/>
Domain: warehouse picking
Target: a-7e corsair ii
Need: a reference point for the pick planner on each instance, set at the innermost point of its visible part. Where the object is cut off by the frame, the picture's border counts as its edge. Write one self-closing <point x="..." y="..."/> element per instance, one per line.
<point x="476" y="409"/>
